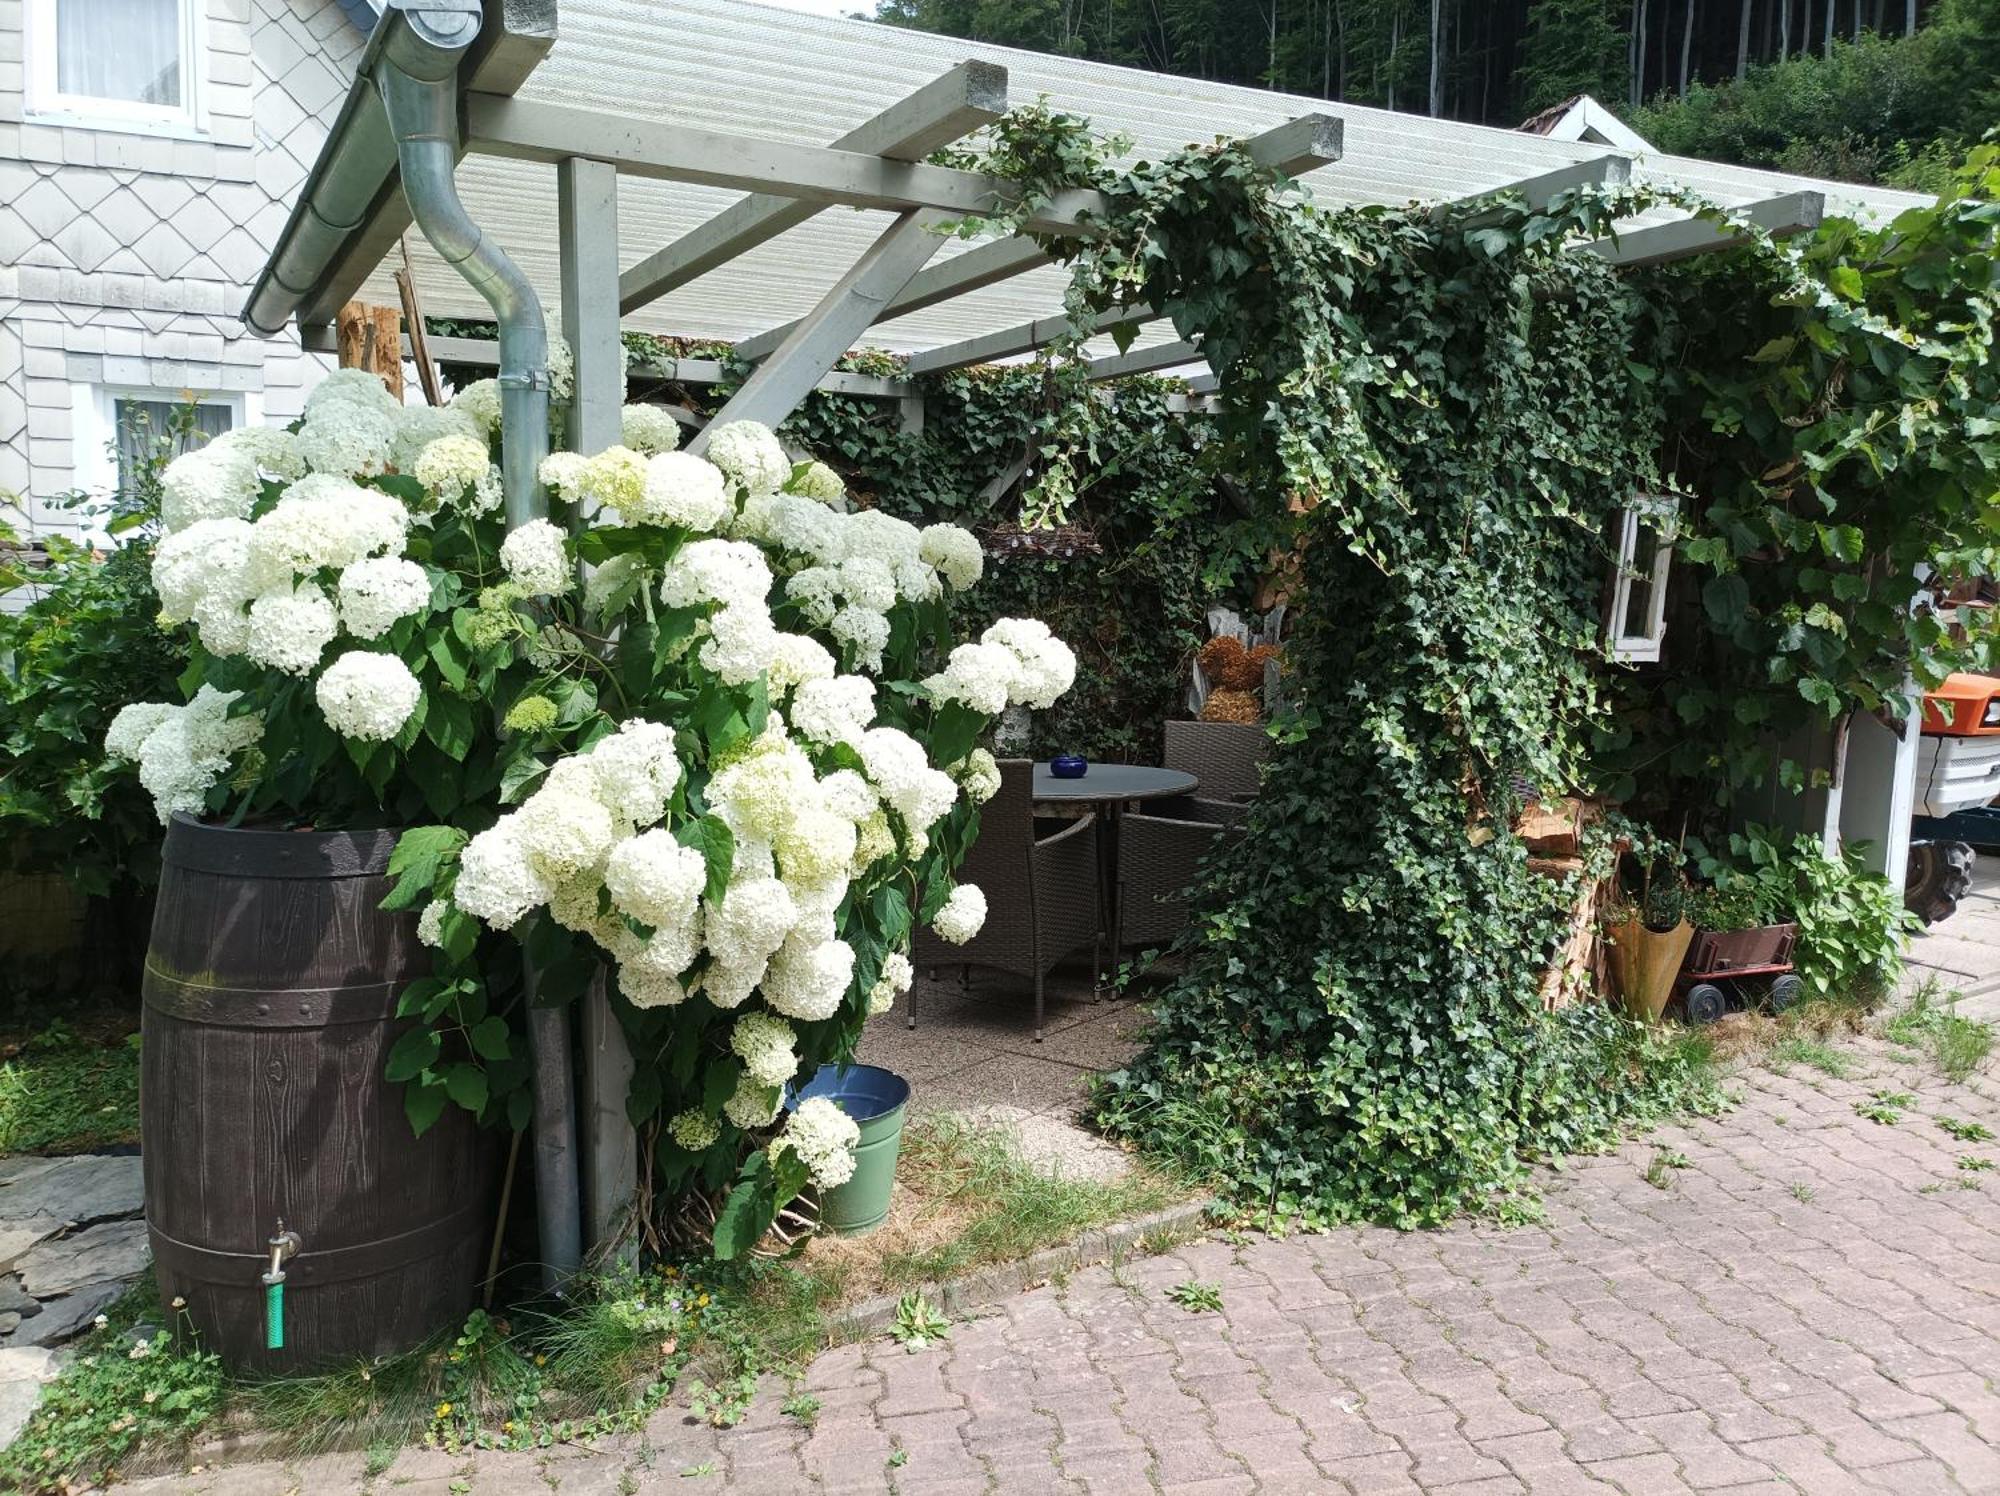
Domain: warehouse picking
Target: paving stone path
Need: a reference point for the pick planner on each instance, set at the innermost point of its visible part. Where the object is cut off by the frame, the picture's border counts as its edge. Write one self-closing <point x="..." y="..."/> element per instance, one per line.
<point x="1811" y="1304"/>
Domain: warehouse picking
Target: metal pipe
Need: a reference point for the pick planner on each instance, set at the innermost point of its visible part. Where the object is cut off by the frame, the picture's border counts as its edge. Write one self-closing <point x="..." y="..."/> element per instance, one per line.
<point x="417" y="80"/>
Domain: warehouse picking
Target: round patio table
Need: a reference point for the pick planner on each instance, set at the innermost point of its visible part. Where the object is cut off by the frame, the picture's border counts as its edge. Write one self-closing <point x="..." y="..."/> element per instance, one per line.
<point x="1107" y="789"/>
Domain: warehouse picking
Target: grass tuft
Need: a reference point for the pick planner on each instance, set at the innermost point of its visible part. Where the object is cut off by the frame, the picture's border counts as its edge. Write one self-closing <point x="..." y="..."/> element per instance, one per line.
<point x="62" y="1091"/>
<point x="1931" y="1024"/>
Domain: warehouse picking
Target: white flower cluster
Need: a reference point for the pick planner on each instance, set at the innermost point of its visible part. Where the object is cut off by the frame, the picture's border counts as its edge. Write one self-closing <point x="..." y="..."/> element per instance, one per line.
<point x="536" y="556"/>
<point x="750" y="455"/>
<point x="963" y="914"/>
<point x="367" y="696"/>
<point x="181" y="750"/>
<point x="823" y="1138"/>
<point x="897" y="974"/>
<point x="763" y="1042"/>
<point x="649" y="429"/>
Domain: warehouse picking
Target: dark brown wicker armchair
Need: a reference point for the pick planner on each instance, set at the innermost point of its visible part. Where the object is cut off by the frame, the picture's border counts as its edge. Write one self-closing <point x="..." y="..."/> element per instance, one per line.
<point x="1158" y="857"/>
<point x="1227" y="758"/>
<point x="1042" y="899"/>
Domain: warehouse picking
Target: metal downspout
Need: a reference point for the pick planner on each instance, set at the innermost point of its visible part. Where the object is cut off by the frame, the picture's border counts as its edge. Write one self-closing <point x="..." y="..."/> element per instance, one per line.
<point x="422" y="106"/>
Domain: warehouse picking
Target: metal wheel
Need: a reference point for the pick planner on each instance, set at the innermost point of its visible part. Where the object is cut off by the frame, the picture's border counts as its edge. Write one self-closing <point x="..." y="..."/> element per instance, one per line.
<point x="1940" y="875"/>
<point x="1706" y="1002"/>
<point x="1785" y="991"/>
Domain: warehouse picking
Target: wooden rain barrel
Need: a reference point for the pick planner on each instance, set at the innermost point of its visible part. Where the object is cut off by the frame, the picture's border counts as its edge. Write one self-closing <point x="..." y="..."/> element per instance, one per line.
<point x="270" y="999"/>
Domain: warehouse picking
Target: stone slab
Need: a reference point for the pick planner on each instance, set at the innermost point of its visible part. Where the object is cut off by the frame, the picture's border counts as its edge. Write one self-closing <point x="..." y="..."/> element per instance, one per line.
<point x="22" y="1376"/>
<point x="97" y="1254"/>
<point x="18" y="1238"/>
<point x="82" y="1190"/>
<point x="67" y="1316"/>
<point x="15" y="1299"/>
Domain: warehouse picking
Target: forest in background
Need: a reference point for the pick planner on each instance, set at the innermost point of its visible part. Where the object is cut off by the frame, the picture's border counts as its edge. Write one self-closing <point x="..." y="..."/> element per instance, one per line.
<point x="1862" y="90"/>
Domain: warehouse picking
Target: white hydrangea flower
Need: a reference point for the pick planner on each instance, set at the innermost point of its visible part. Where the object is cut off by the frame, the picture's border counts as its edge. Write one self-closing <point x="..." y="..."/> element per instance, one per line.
<point x="897" y="974"/>
<point x="980" y="675"/>
<point x="758" y="793"/>
<point x="815" y="592"/>
<point x="898" y="769"/>
<point x="457" y="470"/>
<point x="679" y="489"/>
<point x="562" y="372"/>
<point x="534" y="555"/>
<point x="881" y="537"/>
<point x="819" y="482"/>
<point x="874" y="839"/>
<point x="649" y="429"/>
<point x="636" y="770"/>
<point x="823" y="1138"/>
<point x="133" y="725"/>
<point x="271" y="449"/>
<point x="289" y="630"/>
<point x="796" y="659"/>
<point x="656" y="880"/>
<point x="563" y="826"/>
<point x="208" y="483"/>
<point x="430" y="924"/>
<point x="864" y="633"/>
<point x="715" y="571"/>
<point x="497" y="882"/>
<point x="868" y="582"/>
<point x="978" y="774"/>
<point x="816" y="850"/>
<point x="417" y="426"/>
<point x="753" y="1106"/>
<point x="792" y="524"/>
<point x="849" y="796"/>
<point x="749" y="923"/>
<point x="834" y="711"/>
<point x="963" y="914"/>
<point x="563" y="472"/>
<point x="223" y="625"/>
<point x="807" y="979"/>
<point x="750" y="454"/>
<point x="348" y="438"/>
<point x="206" y="561"/>
<point x="955" y="553"/>
<point x="1047" y="668"/>
<point x="648" y="986"/>
<point x="356" y="388"/>
<point x="612" y="479"/>
<point x="764" y="1043"/>
<point x="742" y="641"/>
<point x="367" y="696"/>
<point x="693" y="1132"/>
<point x="917" y="581"/>
<point x="379" y="591"/>
<point x="481" y="401"/>
<point x="324" y="521"/>
<point x="650" y="975"/>
<point x="187" y="752"/>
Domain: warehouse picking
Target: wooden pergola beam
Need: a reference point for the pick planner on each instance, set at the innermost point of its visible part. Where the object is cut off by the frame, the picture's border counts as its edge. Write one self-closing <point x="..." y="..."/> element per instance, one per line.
<point x="969" y="96"/>
<point x="1144" y="360"/>
<point x="1792" y="213"/>
<point x="1540" y="191"/>
<point x="526" y="131"/>
<point x="1297" y="146"/>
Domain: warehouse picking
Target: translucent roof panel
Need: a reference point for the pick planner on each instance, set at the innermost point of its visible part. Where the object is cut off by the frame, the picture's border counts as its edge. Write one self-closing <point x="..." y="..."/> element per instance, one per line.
<point x="775" y="74"/>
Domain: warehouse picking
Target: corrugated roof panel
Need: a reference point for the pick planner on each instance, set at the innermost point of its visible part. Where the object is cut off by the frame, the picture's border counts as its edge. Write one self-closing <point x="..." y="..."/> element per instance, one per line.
<point x="775" y="74"/>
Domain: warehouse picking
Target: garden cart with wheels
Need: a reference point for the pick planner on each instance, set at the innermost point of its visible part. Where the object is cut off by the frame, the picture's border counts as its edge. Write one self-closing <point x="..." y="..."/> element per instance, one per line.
<point x="1958" y="777"/>
<point x="1728" y="969"/>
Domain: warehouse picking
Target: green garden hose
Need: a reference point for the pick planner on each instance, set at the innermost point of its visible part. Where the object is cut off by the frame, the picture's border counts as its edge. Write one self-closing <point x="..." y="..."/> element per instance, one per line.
<point x="274" y="1315"/>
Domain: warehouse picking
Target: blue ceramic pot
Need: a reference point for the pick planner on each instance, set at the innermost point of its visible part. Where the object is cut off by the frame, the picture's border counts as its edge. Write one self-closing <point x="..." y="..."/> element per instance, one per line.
<point x="1069" y="766"/>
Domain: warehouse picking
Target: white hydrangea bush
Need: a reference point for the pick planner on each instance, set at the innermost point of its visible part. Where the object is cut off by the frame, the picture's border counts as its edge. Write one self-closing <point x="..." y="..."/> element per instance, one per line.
<point x="703" y="729"/>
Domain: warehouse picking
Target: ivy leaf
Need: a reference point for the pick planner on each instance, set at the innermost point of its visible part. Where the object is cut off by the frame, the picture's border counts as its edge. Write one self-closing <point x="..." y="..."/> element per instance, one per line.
<point x="412" y="1054"/>
<point x="717" y="845"/>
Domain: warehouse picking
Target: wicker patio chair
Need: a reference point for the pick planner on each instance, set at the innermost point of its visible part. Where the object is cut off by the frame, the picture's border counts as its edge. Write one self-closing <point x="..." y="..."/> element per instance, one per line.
<point x="1042" y="899"/>
<point x="1158" y="858"/>
<point x="1227" y="758"/>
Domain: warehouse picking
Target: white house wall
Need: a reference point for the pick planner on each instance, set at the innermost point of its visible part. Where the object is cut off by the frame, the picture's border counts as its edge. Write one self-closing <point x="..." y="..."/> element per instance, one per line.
<point x="126" y="253"/>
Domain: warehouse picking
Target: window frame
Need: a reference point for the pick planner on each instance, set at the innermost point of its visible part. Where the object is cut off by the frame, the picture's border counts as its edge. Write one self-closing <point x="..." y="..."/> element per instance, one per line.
<point x="1658" y="513"/>
<point x="94" y="429"/>
<point x="46" y="103"/>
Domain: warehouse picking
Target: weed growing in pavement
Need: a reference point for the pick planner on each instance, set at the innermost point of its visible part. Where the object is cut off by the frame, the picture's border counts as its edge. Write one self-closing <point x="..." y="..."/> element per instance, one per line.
<point x="1802" y="1192"/>
<point x="1885" y="1106"/>
<point x="1966" y="1132"/>
<point x="898" y="1457"/>
<point x="696" y="1472"/>
<point x="917" y="1323"/>
<point x="1520" y="1207"/>
<point x="723" y="1404"/>
<point x="1931" y="1024"/>
<point x="1197" y="1297"/>
<point x="1801" y="1049"/>
<point x="1932" y="1188"/>
<point x="802" y="1407"/>
<point x="1975" y="1165"/>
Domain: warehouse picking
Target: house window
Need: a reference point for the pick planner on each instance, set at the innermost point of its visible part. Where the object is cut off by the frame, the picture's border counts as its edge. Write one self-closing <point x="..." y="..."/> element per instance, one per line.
<point x="1636" y="620"/>
<point x="116" y="432"/>
<point x="115" y="61"/>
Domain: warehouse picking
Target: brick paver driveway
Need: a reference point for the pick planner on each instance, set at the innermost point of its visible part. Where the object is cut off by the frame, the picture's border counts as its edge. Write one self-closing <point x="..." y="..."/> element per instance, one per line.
<point x="1811" y="1305"/>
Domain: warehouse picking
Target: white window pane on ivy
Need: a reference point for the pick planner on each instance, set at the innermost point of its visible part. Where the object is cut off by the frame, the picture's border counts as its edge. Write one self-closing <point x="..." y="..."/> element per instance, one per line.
<point x="128" y="50"/>
<point x="1635" y="621"/>
<point x="148" y="428"/>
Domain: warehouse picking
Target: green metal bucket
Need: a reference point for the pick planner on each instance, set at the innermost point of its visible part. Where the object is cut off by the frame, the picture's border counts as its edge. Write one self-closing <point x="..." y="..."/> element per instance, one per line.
<point x="876" y="1099"/>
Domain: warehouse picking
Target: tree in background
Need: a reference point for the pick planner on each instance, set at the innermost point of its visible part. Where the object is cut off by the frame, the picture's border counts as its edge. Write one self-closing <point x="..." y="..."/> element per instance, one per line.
<point x="1866" y="89"/>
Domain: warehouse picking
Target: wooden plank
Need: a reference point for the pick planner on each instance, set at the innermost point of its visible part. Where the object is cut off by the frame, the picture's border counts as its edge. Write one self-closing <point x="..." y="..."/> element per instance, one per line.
<point x="1144" y="360"/>
<point x="970" y="95"/>
<point x="777" y="385"/>
<point x="1025" y="338"/>
<point x="1793" y="213"/>
<point x="1540" y="191"/>
<point x="1300" y="145"/>
<point x="677" y="153"/>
